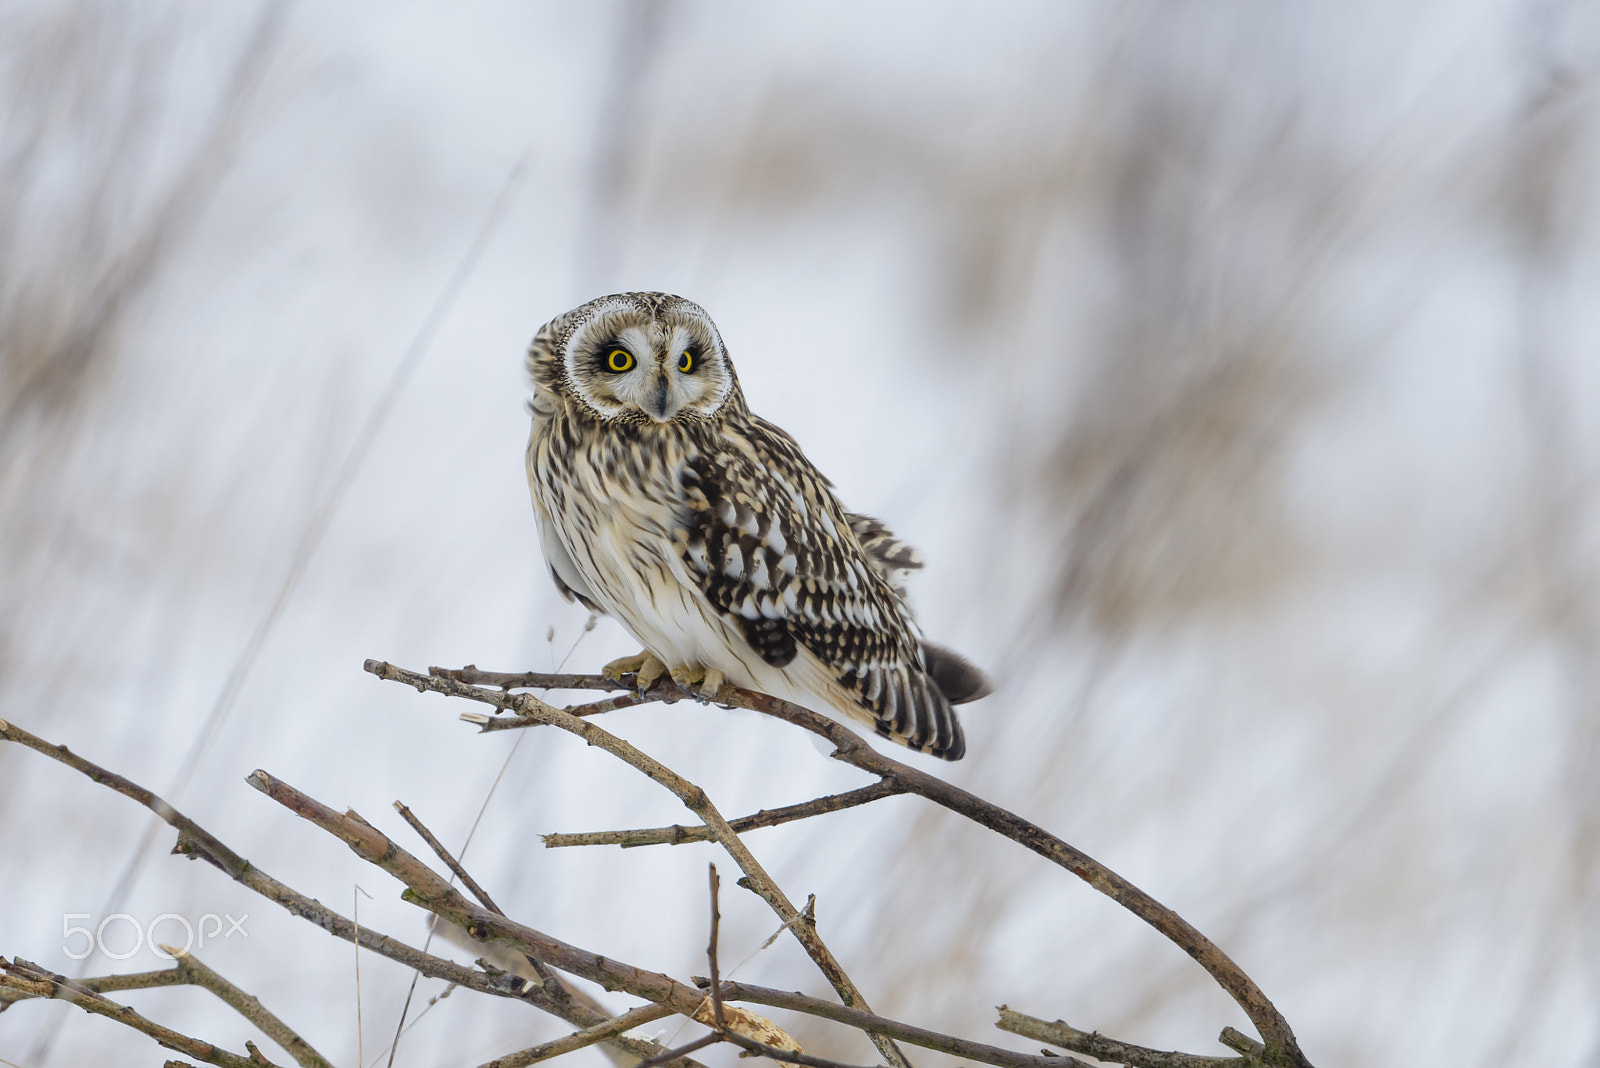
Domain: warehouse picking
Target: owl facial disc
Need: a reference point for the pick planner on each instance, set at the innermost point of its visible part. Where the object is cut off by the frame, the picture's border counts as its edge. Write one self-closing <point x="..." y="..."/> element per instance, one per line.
<point x="624" y="361"/>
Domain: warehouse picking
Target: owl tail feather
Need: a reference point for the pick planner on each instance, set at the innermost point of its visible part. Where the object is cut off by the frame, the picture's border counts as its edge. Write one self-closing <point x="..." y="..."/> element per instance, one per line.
<point x="917" y="714"/>
<point x="958" y="678"/>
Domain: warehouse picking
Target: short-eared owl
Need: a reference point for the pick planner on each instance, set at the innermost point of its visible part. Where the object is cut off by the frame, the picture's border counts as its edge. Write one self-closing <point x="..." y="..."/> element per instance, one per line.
<point x="704" y="530"/>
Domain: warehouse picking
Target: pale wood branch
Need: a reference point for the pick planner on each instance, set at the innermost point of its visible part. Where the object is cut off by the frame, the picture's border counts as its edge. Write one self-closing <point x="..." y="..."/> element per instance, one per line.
<point x="248" y="1006"/>
<point x="1111" y="1050"/>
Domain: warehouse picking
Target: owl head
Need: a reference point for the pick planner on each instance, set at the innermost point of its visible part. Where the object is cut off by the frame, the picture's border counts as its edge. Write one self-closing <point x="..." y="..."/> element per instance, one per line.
<point x="639" y="358"/>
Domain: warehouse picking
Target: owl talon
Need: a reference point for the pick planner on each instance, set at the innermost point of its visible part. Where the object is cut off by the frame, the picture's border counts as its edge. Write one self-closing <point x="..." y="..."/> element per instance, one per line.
<point x="645" y="665"/>
<point x="700" y="683"/>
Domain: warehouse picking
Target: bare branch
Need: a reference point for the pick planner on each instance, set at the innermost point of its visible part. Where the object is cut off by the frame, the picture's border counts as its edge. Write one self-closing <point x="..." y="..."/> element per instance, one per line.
<point x="104" y="984"/>
<point x="249" y="1007"/>
<point x="195" y="841"/>
<point x="786" y="1055"/>
<point x="711" y="955"/>
<point x="1241" y="1042"/>
<point x="514" y="680"/>
<point x="678" y="834"/>
<point x="1102" y="1048"/>
<point x="580" y="1039"/>
<point x="874" y="1024"/>
<point x="552" y="984"/>
<point x="682" y="1051"/>
<point x="32" y="979"/>
<point x="449" y="859"/>
<point x="1280" y="1047"/>
<point x="693" y="798"/>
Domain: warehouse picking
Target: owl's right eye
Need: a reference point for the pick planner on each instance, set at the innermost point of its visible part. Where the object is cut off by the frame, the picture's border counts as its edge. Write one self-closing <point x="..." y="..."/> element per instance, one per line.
<point x="619" y="360"/>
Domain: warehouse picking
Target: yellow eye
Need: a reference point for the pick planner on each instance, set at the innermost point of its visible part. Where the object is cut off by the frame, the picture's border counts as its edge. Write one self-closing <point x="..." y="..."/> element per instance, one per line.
<point x="619" y="360"/>
<point x="686" y="361"/>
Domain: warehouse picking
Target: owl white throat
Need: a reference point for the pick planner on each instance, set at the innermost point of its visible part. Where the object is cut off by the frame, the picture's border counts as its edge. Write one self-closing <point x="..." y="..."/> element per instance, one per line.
<point x="704" y="530"/>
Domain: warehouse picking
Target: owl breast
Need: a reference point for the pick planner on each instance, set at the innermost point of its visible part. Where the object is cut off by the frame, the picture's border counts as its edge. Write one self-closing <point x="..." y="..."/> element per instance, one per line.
<point x="615" y="503"/>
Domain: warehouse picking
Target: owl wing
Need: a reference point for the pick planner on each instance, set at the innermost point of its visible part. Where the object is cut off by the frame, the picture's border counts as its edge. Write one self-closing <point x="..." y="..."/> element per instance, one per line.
<point x="569" y="580"/>
<point x="775" y="553"/>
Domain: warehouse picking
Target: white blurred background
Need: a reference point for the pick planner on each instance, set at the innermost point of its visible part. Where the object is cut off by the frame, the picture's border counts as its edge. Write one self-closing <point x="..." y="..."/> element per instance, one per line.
<point x="1231" y="364"/>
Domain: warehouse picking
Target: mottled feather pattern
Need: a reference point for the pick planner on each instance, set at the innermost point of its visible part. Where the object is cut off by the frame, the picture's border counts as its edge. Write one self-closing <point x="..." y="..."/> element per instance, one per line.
<point x="711" y="536"/>
<point x="772" y="546"/>
<point x="892" y="558"/>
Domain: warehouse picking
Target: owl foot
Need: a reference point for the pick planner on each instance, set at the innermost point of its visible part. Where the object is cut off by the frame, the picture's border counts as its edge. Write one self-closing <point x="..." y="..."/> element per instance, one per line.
<point x="701" y="683"/>
<point x="645" y="664"/>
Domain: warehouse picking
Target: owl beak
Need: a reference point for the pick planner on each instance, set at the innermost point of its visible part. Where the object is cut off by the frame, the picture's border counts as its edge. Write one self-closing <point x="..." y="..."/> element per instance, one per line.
<point x="658" y="407"/>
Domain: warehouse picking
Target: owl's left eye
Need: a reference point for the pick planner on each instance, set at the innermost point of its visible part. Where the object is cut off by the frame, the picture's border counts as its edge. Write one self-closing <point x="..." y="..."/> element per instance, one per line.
<point x="686" y="362"/>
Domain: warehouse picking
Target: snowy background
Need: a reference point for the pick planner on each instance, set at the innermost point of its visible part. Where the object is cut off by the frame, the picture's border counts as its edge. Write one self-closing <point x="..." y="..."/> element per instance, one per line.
<point x="1230" y="363"/>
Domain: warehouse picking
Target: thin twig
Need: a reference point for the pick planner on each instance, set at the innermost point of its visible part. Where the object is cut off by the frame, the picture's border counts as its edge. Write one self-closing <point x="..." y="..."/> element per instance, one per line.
<point x="579" y="1039"/>
<point x="32" y="979"/>
<point x="1102" y="1048"/>
<point x="607" y="704"/>
<point x="249" y="1007"/>
<point x="693" y="798"/>
<point x="449" y="859"/>
<point x="682" y="1051"/>
<point x="1241" y="1042"/>
<point x="1280" y="1046"/>
<point x="678" y="834"/>
<point x="541" y="680"/>
<point x="789" y="1056"/>
<point x="711" y="955"/>
<point x="875" y="1024"/>
<point x="552" y="984"/>
<point x="106" y="984"/>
